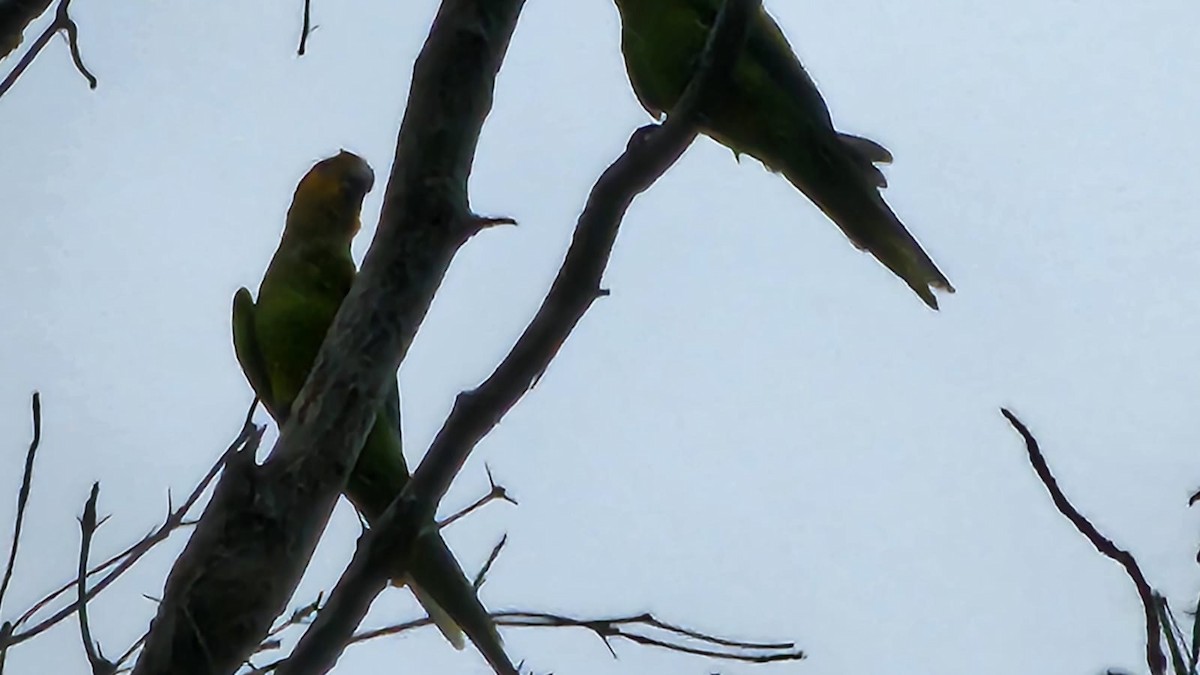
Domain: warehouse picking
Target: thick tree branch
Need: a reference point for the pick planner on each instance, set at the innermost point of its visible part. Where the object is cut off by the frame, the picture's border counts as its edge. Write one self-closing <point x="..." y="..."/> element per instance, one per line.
<point x="250" y="548"/>
<point x="647" y="157"/>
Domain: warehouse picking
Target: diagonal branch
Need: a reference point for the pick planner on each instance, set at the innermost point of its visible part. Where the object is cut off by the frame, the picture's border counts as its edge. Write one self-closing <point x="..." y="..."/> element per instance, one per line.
<point x="87" y="528"/>
<point x="249" y="550"/>
<point x="15" y="17"/>
<point x="247" y="441"/>
<point x="64" y="22"/>
<point x="647" y="157"/>
<point x="23" y="498"/>
<point x="1155" y="659"/>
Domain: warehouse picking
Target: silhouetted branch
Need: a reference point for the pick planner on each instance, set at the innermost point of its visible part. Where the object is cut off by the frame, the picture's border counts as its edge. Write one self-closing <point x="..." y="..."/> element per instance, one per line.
<point x="497" y="492"/>
<point x="247" y="439"/>
<point x="475" y="413"/>
<point x="1174" y="637"/>
<point x="306" y="29"/>
<point x="6" y="629"/>
<point x="15" y="17"/>
<point x="481" y="576"/>
<point x="87" y="528"/>
<point x="1155" y="659"/>
<point x="128" y="654"/>
<point x="62" y="22"/>
<point x="22" y="499"/>
<point x="631" y="628"/>
<point x="264" y="522"/>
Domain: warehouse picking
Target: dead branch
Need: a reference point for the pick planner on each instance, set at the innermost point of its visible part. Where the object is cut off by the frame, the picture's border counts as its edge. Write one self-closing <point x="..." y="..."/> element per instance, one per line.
<point x="87" y="528"/>
<point x="475" y="413"/>
<point x="15" y="17"/>
<point x="6" y="629"/>
<point x="481" y="576"/>
<point x="1155" y="659"/>
<point x="62" y="22"/>
<point x="672" y="637"/>
<point x="497" y="492"/>
<point x="22" y="499"/>
<point x="306" y="29"/>
<point x="258" y="532"/>
<point x="247" y="440"/>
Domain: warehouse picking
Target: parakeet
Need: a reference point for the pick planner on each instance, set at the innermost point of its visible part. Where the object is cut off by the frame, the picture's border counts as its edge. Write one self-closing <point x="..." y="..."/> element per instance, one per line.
<point x="773" y="112"/>
<point x="277" y="340"/>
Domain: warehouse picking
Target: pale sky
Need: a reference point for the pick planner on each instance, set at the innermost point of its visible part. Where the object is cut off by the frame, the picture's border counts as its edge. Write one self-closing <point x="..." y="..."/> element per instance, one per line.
<point x="760" y="434"/>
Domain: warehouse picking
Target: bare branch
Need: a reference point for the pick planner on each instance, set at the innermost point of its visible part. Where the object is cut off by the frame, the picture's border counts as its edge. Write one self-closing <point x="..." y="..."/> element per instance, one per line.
<point x="247" y="440"/>
<point x="128" y="654"/>
<point x="675" y="638"/>
<point x="15" y="17"/>
<point x="22" y="498"/>
<point x="481" y="576"/>
<point x="476" y="413"/>
<point x="64" y="22"/>
<point x="6" y="629"/>
<point x="306" y="29"/>
<point x="258" y="532"/>
<point x="87" y="527"/>
<point x="497" y="492"/>
<point x="1155" y="659"/>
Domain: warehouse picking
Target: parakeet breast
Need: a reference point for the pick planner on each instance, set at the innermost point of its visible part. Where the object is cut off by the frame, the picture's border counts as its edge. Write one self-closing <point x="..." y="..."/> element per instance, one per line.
<point x="660" y="42"/>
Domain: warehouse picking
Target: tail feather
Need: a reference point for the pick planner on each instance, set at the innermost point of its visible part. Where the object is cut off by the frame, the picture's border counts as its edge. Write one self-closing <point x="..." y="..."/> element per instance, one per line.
<point x="866" y="153"/>
<point x="442" y="588"/>
<point x="444" y="622"/>
<point x="847" y="192"/>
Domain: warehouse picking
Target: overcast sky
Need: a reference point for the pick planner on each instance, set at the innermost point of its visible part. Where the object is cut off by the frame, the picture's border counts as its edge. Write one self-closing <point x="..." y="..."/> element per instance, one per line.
<point x="761" y="433"/>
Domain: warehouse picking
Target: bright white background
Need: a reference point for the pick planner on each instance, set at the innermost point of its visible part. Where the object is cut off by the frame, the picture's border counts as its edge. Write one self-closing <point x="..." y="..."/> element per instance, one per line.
<point x="760" y="433"/>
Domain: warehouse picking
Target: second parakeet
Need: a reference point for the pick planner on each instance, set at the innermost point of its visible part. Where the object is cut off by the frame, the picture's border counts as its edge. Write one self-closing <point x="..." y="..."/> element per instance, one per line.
<point x="277" y="339"/>
<point x="773" y="112"/>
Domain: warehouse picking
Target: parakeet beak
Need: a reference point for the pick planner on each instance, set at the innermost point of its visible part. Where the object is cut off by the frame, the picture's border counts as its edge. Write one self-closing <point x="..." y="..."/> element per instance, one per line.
<point x="359" y="176"/>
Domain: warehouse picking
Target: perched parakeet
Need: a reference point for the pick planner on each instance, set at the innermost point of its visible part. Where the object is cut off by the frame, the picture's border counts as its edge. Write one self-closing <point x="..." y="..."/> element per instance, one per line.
<point x="773" y="112"/>
<point x="277" y="340"/>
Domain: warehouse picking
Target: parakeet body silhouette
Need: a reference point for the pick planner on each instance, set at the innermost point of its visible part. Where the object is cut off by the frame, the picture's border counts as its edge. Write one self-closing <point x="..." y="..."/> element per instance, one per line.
<point x="773" y="112"/>
<point x="277" y="339"/>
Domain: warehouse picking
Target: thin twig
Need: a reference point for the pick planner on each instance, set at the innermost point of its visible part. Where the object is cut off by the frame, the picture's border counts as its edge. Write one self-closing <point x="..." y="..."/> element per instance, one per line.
<point x="1174" y="636"/>
<point x="64" y="22"/>
<point x="23" y="495"/>
<point x="15" y="17"/>
<point x="131" y="651"/>
<point x="613" y="627"/>
<point x="481" y="576"/>
<point x="6" y="629"/>
<point x="299" y="617"/>
<point x="306" y="29"/>
<point x="572" y="293"/>
<point x="1155" y="659"/>
<point x="247" y="439"/>
<point x="87" y="527"/>
<point x="497" y="492"/>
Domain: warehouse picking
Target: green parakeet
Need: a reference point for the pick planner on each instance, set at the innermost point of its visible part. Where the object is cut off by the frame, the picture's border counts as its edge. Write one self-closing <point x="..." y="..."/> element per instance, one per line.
<point x="773" y="112"/>
<point x="277" y="340"/>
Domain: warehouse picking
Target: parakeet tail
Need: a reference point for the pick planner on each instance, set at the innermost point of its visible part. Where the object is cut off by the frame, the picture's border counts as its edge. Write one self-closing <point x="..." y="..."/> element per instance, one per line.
<point x="847" y="190"/>
<point x="441" y="619"/>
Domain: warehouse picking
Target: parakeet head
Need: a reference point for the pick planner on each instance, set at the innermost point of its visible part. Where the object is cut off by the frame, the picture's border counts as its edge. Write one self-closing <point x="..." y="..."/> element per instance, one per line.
<point x="329" y="197"/>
